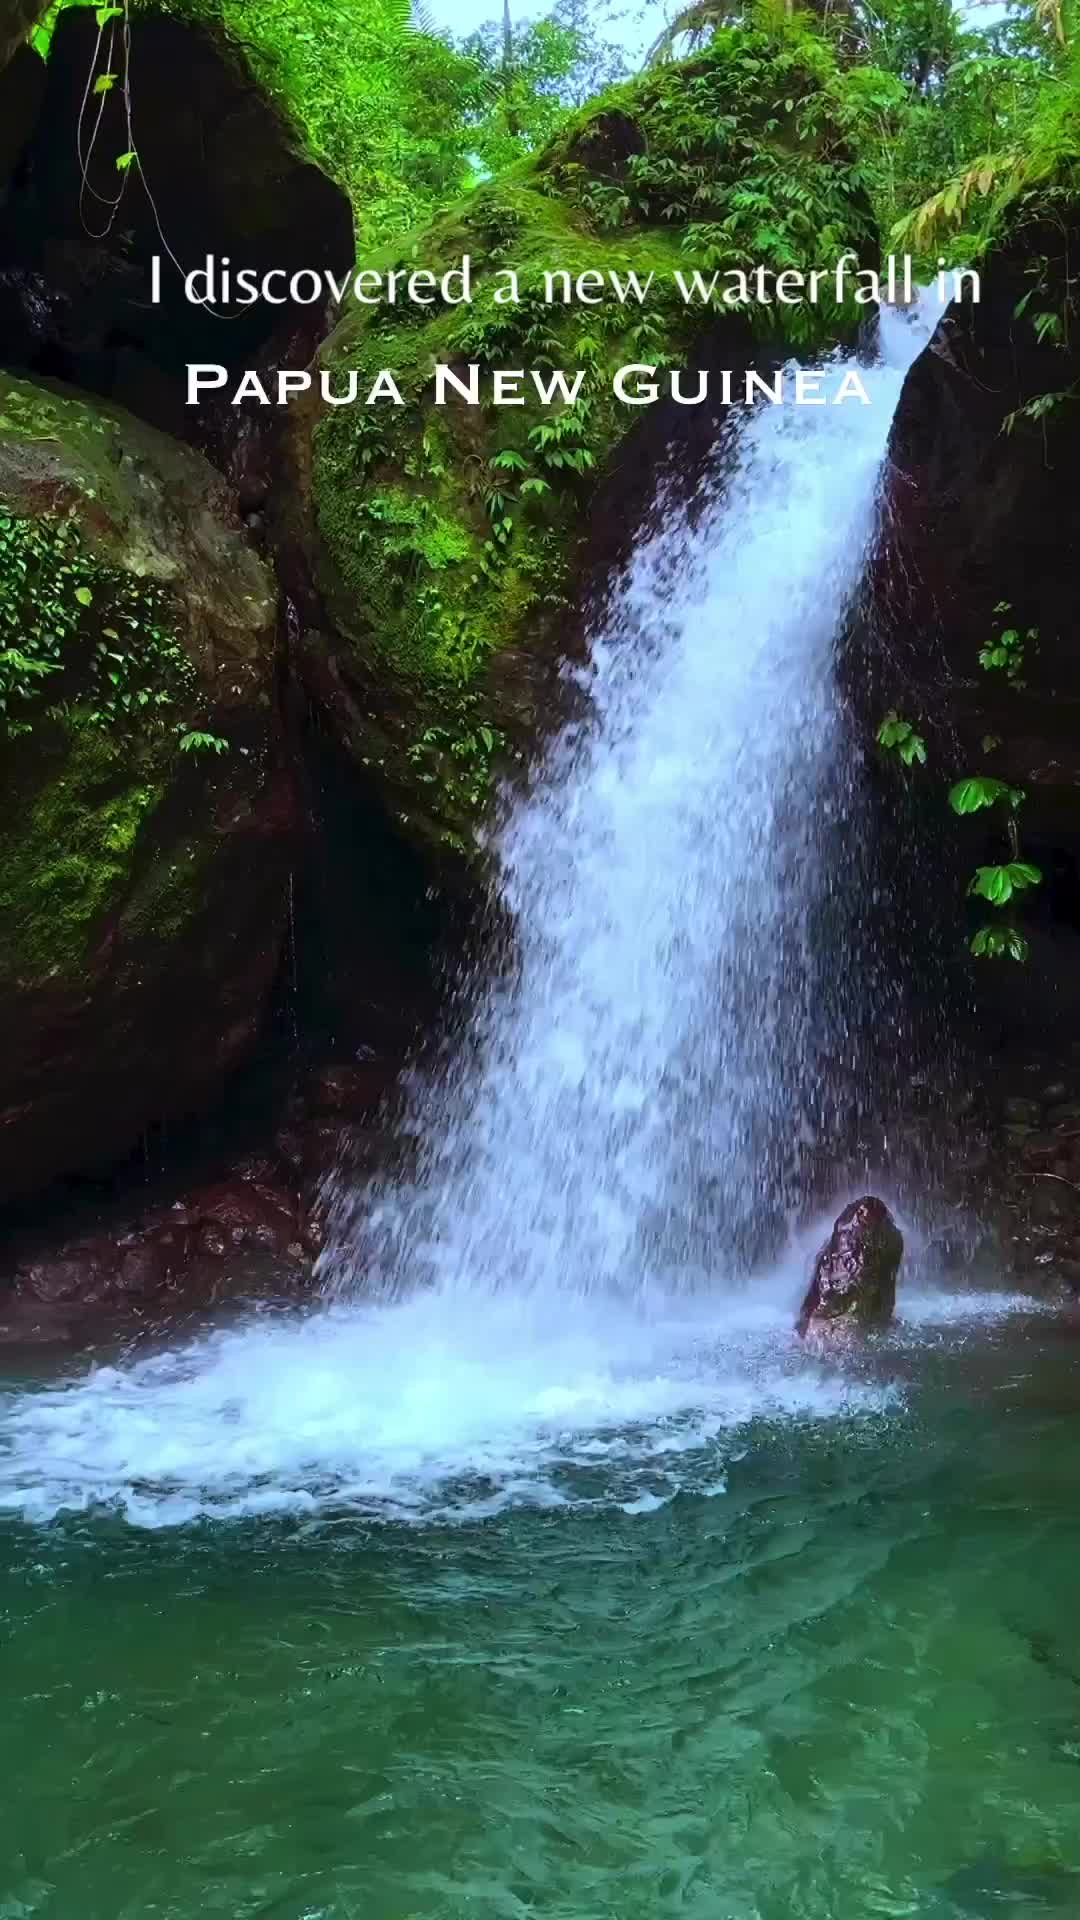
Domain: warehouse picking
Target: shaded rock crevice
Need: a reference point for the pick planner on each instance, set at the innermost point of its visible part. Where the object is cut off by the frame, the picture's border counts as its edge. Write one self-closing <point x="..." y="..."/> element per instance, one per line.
<point x="220" y="172"/>
<point x="983" y="526"/>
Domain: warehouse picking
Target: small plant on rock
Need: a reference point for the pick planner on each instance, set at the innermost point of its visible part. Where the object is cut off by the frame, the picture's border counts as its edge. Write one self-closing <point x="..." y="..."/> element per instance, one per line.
<point x="998" y="885"/>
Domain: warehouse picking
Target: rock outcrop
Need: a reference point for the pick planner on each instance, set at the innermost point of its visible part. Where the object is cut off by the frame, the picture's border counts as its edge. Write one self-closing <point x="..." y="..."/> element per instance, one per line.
<point x="146" y="810"/>
<point x="446" y="543"/>
<point x="221" y="171"/>
<point x="984" y="522"/>
<point x="854" y="1283"/>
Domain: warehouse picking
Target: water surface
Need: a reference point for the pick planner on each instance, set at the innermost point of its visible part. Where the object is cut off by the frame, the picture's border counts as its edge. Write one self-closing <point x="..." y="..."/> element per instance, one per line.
<point x="813" y="1661"/>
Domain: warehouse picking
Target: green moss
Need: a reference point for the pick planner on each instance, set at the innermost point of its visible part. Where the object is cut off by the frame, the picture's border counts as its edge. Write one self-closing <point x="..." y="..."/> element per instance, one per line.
<point x="66" y="851"/>
<point x="34" y="414"/>
<point x="454" y="532"/>
<point x="168" y="893"/>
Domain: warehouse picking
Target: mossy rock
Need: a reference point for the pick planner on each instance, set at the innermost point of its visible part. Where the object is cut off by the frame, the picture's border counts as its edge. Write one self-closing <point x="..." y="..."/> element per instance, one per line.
<point x="451" y="537"/>
<point x="145" y="830"/>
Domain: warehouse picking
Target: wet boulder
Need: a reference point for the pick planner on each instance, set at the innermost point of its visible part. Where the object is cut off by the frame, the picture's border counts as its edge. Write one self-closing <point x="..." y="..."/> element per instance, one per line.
<point x="854" y="1279"/>
<point x="146" y="801"/>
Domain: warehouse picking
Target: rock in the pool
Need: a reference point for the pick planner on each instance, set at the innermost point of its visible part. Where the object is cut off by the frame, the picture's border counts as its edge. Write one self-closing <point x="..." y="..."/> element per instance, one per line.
<point x="854" y="1281"/>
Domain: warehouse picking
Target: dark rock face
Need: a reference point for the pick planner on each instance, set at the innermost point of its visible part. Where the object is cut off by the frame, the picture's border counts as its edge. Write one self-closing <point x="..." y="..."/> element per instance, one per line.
<point x="144" y="891"/>
<point x="255" y="1224"/>
<point x="189" y="1249"/>
<point x="854" y="1279"/>
<point x="22" y="89"/>
<point x="1021" y="1180"/>
<point x="984" y="509"/>
<point x="228" y="176"/>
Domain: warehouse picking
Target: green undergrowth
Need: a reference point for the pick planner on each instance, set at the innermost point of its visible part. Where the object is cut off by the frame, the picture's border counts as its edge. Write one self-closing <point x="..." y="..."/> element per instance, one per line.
<point x="107" y="679"/>
<point x="454" y="530"/>
<point x="1030" y="174"/>
<point x="80" y="639"/>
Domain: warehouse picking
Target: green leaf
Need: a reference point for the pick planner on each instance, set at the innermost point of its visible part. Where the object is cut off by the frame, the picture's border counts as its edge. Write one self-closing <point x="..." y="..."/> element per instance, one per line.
<point x="893" y="731"/>
<point x="125" y="160"/>
<point x="84" y="596"/>
<point x="105" y="83"/>
<point x="976" y="792"/>
<point x="998" y="884"/>
<point x="993" y="884"/>
<point x="197" y="742"/>
<point x="104" y="14"/>
<point x="900" y="737"/>
<point x="993" y="942"/>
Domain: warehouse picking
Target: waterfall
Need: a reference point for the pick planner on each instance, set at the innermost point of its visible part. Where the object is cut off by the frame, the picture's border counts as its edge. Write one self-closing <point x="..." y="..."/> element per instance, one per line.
<point x="633" y="1108"/>
<point x="546" y="1312"/>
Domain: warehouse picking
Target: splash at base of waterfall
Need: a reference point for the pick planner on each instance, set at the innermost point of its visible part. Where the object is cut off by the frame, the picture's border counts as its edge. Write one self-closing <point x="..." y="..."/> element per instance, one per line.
<point x="407" y="1413"/>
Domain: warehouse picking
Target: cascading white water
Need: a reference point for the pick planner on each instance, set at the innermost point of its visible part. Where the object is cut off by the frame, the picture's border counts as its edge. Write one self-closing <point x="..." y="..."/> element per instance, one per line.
<point x="623" y="1129"/>
<point x="634" y="1106"/>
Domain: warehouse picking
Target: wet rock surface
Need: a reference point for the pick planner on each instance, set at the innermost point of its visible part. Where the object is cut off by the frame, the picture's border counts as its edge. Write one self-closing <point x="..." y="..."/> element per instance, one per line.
<point x="252" y="1225"/>
<point x="187" y="1248"/>
<point x="984" y="520"/>
<point x="854" y="1281"/>
<point x="1027" y="1190"/>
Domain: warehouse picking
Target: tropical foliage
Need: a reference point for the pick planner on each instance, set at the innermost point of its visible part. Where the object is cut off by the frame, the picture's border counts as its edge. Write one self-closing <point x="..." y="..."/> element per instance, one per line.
<point x="785" y="133"/>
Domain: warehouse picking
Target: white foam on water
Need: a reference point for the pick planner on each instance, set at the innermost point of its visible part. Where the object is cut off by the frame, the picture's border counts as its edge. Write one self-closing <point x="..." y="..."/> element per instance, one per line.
<point x="966" y="1308"/>
<point x="406" y="1412"/>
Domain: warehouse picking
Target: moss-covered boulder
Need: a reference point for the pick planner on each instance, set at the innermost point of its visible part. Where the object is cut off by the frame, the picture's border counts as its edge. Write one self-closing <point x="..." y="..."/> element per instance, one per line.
<point x="451" y="536"/>
<point x="145" y="817"/>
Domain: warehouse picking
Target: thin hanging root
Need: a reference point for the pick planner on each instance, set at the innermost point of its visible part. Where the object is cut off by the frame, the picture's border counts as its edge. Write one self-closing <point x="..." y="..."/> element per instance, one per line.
<point x="86" y="150"/>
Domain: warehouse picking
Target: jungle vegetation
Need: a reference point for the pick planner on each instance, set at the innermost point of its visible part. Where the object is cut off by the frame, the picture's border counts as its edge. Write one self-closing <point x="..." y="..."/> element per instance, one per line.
<point x="956" y="113"/>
